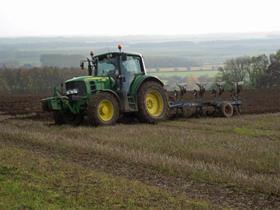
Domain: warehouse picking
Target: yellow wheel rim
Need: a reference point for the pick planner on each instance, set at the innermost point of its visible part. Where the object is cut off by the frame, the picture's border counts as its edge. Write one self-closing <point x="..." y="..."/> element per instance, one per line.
<point x="154" y="103"/>
<point x="105" y="110"/>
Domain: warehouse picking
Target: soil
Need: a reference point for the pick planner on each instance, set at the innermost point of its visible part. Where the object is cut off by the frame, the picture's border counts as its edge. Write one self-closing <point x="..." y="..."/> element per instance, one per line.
<point x="254" y="101"/>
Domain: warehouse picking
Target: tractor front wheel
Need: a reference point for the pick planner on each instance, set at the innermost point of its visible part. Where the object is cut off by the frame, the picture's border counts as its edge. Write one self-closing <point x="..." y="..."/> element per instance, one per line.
<point x="103" y="109"/>
<point x="152" y="102"/>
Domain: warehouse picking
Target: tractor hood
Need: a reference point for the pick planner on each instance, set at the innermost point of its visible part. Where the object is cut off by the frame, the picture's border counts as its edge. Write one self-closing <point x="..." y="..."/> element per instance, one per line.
<point x="87" y="85"/>
<point x="88" y="79"/>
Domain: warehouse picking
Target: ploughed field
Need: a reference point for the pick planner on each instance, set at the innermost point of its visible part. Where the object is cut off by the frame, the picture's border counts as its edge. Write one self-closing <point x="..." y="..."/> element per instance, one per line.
<point x="254" y="101"/>
<point x="206" y="163"/>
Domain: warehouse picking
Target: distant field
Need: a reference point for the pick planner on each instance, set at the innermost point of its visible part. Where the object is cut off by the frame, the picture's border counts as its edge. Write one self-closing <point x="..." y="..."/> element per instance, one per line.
<point x="207" y="163"/>
<point x="196" y="73"/>
<point x="170" y="78"/>
<point x="20" y="51"/>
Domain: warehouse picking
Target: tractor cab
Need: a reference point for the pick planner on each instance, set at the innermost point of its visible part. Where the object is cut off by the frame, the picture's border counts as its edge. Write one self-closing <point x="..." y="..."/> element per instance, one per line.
<point x="121" y="67"/>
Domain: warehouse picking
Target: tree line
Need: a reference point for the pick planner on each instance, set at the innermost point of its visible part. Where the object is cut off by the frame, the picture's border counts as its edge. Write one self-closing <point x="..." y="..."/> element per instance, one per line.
<point x="36" y="80"/>
<point x="262" y="71"/>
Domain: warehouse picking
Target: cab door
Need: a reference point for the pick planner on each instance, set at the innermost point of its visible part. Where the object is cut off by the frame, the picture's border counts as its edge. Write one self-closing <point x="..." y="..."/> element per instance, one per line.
<point x="131" y="66"/>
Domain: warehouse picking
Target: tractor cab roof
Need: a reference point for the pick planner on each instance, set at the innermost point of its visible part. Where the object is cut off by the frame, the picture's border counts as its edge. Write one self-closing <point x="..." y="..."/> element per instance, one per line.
<point x="117" y="53"/>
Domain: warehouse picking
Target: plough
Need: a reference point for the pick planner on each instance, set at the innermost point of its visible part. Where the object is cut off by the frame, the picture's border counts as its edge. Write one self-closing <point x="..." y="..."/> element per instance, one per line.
<point x="213" y="107"/>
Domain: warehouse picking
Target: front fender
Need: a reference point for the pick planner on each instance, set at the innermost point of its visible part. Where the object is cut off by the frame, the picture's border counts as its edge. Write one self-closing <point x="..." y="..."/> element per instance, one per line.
<point x="113" y="93"/>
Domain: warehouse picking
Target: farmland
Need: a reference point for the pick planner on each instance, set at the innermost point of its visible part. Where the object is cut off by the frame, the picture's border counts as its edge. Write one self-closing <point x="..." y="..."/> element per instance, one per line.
<point x="206" y="163"/>
<point x="178" y="108"/>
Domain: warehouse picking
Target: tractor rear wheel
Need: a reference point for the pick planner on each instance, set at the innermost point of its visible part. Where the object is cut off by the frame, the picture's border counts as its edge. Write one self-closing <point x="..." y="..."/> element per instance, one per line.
<point x="152" y="102"/>
<point x="227" y="109"/>
<point x="103" y="109"/>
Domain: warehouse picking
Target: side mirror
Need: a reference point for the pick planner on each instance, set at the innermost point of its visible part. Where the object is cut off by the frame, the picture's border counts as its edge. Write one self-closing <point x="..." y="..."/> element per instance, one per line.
<point x="82" y="65"/>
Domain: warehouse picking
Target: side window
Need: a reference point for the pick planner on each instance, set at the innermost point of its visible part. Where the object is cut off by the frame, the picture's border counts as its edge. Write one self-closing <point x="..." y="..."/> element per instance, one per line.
<point x="107" y="66"/>
<point x="132" y="65"/>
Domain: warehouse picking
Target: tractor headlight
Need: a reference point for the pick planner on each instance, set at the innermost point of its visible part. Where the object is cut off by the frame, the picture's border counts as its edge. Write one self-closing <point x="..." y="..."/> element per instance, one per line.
<point x="72" y="92"/>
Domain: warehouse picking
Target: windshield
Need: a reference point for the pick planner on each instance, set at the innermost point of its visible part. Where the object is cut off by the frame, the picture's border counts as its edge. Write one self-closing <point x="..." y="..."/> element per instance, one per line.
<point x="107" y="65"/>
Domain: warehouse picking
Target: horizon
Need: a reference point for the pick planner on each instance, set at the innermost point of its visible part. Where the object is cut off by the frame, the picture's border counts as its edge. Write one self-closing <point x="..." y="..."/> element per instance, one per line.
<point x="249" y="35"/>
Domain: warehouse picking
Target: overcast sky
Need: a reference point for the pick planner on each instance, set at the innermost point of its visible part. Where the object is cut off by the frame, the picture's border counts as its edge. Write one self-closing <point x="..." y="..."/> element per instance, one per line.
<point x="131" y="17"/>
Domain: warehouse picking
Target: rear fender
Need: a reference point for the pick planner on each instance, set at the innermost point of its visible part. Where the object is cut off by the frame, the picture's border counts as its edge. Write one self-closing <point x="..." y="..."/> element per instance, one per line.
<point x="138" y="82"/>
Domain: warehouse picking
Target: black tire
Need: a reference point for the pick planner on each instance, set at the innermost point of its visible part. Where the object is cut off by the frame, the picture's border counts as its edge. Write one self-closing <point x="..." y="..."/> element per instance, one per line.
<point x="67" y="118"/>
<point x="73" y="119"/>
<point x="227" y="110"/>
<point x="58" y="118"/>
<point x="143" y="114"/>
<point x="93" y="114"/>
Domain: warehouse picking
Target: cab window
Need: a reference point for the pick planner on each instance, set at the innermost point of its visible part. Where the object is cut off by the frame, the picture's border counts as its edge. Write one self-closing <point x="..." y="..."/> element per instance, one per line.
<point x="132" y="65"/>
<point x="107" y="66"/>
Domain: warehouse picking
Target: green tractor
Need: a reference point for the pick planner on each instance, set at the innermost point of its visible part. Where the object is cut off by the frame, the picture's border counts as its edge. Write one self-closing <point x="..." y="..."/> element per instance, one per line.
<point x="117" y="84"/>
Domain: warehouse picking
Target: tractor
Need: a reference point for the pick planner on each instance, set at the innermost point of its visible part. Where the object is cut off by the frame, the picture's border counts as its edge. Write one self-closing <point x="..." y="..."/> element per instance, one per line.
<point x="117" y="84"/>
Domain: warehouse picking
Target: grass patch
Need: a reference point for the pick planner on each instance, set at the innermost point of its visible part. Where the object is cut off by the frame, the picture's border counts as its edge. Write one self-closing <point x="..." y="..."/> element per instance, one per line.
<point x="255" y="132"/>
<point x="245" y="132"/>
